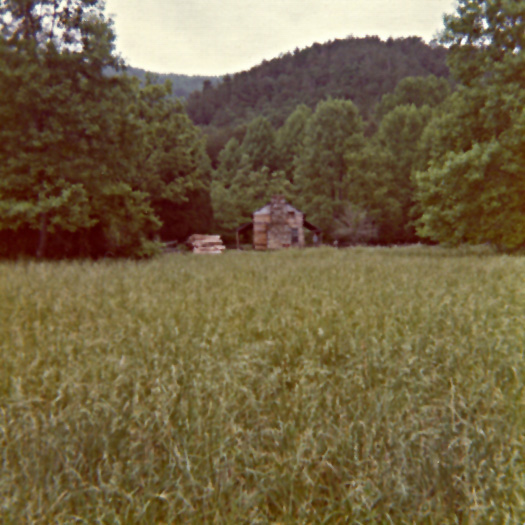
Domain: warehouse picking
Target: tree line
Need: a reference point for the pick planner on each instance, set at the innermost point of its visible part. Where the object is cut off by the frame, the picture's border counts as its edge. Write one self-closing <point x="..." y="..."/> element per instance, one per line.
<point x="443" y="161"/>
<point x="356" y="188"/>
<point x="92" y="164"/>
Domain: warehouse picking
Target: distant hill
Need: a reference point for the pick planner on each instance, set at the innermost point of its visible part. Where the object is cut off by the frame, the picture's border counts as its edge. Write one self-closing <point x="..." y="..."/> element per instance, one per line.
<point x="359" y="69"/>
<point x="183" y="85"/>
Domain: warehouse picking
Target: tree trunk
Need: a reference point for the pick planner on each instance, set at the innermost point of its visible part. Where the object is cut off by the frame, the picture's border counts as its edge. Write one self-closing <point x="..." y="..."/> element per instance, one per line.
<point x="42" y="238"/>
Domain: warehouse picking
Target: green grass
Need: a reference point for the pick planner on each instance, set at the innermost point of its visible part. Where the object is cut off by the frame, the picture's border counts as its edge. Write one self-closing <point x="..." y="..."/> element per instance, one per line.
<point x="315" y="386"/>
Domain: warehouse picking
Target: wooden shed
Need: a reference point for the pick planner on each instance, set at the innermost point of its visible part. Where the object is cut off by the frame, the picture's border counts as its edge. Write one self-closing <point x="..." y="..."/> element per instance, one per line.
<point x="278" y="225"/>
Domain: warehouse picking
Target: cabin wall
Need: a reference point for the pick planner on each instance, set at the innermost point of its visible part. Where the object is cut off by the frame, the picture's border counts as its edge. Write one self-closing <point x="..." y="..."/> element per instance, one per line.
<point x="275" y="231"/>
<point x="298" y="222"/>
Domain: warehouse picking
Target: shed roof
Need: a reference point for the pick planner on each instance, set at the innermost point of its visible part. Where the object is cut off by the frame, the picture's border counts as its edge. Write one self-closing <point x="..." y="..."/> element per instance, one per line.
<point x="312" y="227"/>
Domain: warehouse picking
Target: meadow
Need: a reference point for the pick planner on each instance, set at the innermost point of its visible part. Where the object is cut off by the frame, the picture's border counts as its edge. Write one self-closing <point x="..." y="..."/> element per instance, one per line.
<point x="364" y="385"/>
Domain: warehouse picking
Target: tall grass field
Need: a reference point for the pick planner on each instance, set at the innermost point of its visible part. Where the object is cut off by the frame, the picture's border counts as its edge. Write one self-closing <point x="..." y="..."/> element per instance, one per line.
<point x="365" y="385"/>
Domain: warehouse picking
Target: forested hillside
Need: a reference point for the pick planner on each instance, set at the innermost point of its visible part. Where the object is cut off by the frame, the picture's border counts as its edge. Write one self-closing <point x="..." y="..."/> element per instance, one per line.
<point x="357" y="69"/>
<point x="182" y="85"/>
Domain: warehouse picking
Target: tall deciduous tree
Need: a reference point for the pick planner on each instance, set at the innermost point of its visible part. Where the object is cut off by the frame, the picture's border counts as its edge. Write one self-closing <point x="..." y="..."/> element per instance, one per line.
<point x="248" y="189"/>
<point x="474" y="189"/>
<point x="246" y="176"/>
<point x="259" y="144"/>
<point x="173" y="168"/>
<point x="390" y="158"/>
<point x="420" y="91"/>
<point x="229" y="161"/>
<point x="323" y="173"/>
<point x="289" y="139"/>
<point x="67" y="141"/>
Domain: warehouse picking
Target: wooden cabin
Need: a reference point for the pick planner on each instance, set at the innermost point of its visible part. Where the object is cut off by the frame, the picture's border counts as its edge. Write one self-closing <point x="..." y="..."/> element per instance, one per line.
<point x="277" y="225"/>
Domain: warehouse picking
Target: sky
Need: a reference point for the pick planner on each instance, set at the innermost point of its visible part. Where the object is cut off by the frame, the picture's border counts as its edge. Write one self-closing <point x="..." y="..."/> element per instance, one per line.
<point x="215" y="37"/>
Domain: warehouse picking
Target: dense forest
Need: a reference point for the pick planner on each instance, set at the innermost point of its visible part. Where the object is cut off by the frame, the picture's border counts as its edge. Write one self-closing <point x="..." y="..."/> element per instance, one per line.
<point x="357" y="69"/>
<point x="373" y="140"/>
<point x="356" y="188"/>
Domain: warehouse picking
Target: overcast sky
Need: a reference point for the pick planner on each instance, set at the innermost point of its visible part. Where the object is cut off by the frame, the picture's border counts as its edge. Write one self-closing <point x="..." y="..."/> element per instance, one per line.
<point x="214" y="37"/>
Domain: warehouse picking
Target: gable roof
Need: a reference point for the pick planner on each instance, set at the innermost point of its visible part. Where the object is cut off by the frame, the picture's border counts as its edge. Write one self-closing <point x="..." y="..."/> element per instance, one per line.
<point x="265" y="210"/>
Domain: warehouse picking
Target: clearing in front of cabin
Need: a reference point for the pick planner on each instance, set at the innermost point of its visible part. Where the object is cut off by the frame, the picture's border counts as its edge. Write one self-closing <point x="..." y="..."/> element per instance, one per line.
<point x="361" y="385"/>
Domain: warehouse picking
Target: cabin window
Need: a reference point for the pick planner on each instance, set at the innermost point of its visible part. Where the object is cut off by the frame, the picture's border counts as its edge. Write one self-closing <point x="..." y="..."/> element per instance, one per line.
<point x="295" y="235"/>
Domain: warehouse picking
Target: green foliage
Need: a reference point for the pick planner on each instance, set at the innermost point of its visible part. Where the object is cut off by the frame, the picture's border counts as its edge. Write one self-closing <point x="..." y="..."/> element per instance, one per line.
<point x="388" y="389"/>
<point x="474" y="188"/>
<point x="246" y="177"/>
<point x="477" y="195"/>
<point x="334" y="174"/>
<point x="90" y="161"/>
<point x="420" y="91"/>
<point x="356" y="189"/>
<point x="247" y="190"/>
<point x="173" y="166"/>
<point x="93" y="164"/>
<point x="337" y="175"/>
<point x="67" y="142"/>
<point x="229" y="162"/>
<point x="290" y="138"/>
<point x="486" y="36"/>
<point x="386" y="186"/>
<point x="217" y="138"/>
<point x="323" y="175"/>
<point x="259" y="144"/>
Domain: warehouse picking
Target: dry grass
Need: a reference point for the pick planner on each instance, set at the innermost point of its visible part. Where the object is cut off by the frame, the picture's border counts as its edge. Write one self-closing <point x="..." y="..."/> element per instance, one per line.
<point x="316" y="386"/>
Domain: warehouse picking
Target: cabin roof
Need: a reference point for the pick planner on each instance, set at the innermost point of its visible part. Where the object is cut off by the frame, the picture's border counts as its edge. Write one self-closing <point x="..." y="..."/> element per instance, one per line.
<point x="266" y="210"/>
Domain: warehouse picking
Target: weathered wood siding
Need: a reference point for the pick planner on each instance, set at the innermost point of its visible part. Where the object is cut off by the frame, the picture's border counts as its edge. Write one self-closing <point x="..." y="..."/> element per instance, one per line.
<point x="278" y="225"/>
<point x="205" y="243"/>
<point x="260" y="232"/>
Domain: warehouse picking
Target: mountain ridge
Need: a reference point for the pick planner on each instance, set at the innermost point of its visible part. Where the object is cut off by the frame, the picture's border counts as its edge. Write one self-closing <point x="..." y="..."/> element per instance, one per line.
<point x="357" y="69"/>
<point x="182" y="85"/>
